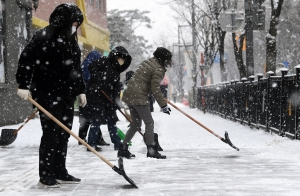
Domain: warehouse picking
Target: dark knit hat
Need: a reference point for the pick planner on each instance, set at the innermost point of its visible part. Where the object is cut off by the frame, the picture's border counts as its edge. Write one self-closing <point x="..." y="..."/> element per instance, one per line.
<point x="163" y="55"/>
<point x="128" y="75"/>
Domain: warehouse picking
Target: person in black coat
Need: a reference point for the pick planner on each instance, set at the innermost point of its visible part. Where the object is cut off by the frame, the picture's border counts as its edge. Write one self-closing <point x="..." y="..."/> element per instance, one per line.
<point x="105" y="75"/>
<point x="49" y="68"/>
<point x="84" y="127"/>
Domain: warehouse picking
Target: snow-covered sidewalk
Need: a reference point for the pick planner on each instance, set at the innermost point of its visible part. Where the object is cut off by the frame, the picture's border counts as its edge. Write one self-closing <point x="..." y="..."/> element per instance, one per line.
<point x="198" y="163"/>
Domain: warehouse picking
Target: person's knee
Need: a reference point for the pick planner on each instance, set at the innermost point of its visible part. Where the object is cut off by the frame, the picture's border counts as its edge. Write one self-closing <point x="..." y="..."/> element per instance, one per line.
<point x="149" y="122"/>
<point x="136" y="124"/>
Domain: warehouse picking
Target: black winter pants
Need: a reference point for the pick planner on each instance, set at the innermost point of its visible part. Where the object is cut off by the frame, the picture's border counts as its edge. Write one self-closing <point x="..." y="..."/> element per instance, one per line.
<point x="54" y="141"/>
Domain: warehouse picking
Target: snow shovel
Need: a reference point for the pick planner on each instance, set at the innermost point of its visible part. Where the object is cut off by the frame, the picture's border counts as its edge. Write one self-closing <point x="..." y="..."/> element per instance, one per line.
<point x="226" y="140"/>
<point x="8" y="136"/>
<point x="119" y="170"/>
<point x="127" y="114"/>
<point x="122" y="135"/>
<point x="159" y="148"/>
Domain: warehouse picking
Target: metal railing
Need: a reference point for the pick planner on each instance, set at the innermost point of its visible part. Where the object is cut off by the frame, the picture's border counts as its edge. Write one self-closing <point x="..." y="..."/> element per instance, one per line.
<point x="271" y="103"/>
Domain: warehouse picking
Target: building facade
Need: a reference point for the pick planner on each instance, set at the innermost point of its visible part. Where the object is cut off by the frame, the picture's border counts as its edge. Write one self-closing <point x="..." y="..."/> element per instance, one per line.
<point x="18" y="21"/>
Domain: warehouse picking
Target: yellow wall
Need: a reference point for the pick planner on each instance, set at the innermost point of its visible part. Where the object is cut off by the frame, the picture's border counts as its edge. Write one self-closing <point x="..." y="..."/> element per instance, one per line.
<point x="93" y="36"/>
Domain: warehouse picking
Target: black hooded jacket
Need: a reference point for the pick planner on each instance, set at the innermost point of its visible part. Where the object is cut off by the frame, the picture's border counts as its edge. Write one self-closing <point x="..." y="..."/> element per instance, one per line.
<point x="50" y="63"/>
<point x="105" y="75"/>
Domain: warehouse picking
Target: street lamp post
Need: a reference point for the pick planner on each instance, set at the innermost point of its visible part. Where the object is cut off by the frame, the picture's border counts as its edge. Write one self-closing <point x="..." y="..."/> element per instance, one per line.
<point x="179" y="59"/>
<point x="249" y="37"/>
<point x="194" y="100"/>
<point x="255" y="20"/>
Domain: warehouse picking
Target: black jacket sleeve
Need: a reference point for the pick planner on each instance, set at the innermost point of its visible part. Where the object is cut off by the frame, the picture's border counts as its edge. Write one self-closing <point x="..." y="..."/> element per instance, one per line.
<point x="27" y="61"/>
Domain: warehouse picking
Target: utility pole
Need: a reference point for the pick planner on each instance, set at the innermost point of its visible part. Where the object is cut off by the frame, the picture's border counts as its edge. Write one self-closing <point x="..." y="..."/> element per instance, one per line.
<point x="180" y="66"/>
<point x="194" y="71"/>
<point x="180" y="63"/>
<point x="255" y="20"/>
<point x="249" y="37"/>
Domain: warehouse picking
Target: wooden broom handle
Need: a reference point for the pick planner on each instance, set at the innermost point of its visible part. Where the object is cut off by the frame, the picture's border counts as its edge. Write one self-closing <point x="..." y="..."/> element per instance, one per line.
<point x="194" y="120"/>
<point x="120" y="110"/>
<point x="69" y="131"/>
<point x="29" y="118"/>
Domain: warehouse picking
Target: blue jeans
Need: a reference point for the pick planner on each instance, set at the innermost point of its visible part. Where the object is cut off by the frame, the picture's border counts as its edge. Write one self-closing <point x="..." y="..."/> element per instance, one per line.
<point x="113" y="133"/>
<point x="112" y="129"/>
<point x="93" y="134"/>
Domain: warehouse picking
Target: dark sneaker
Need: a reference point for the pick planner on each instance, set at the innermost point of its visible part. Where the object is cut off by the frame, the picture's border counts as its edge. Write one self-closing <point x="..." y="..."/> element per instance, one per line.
<point x="101" y="142"/>
<point x="125" y="152"/>
<point x="52" y="183"/>
<point x="68" y="179"/>
<point x="95" y="148"/>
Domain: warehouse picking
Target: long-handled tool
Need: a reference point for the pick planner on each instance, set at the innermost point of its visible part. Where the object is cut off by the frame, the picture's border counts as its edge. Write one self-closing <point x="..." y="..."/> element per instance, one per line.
<point x="8" y="136"/>
<point x="119" y="170"/>
<point x="127" y="114"/>
<point x="226" y="140"/>
<point x="122" y="136"/>
<point x="159" y="148"/>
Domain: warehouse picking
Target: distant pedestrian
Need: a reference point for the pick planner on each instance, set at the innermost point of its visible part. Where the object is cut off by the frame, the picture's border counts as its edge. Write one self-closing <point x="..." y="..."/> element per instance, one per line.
<point x="146" y="80"/>
<point x="174" y="96"/>
<point x="50" y="67"/>
<point x="164" y="86"/>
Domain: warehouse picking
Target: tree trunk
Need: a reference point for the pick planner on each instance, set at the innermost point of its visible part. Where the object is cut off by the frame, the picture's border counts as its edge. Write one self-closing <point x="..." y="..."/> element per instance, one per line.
<point x="271" y="37"/>
<point x="221" y="51"/>
<point x="238" y="52"/>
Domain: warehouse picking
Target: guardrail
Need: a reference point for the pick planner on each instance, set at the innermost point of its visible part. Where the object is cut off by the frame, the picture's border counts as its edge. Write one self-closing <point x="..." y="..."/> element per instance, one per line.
<point x="271" y="103"/>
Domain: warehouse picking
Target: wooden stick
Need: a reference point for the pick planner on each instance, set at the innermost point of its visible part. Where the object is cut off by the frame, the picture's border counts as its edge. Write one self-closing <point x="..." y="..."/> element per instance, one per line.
<point x="194" y="120"/>
<point x="69" y="131"/>
<point x="120" y="111"/>
<point x="29" y="118"/>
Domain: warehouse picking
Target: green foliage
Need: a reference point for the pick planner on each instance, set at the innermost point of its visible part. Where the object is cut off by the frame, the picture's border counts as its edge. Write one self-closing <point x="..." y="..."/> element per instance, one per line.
<point x="122" y="25"/>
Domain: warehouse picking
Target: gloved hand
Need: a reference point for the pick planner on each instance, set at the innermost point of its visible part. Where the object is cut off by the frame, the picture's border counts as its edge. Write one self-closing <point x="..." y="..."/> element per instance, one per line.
<point x="166" y="109"/>
<point x="82" y="100"/>
<point x="23" y="93"/>
<point x="115" y="107"/>
<point x="120" y="105"/>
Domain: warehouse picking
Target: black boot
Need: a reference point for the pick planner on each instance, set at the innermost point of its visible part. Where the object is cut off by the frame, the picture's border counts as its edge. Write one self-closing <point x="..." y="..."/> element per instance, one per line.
<point x="156" y="144"/>
<point x="158" y="147"/>
<point x="152" y="152"/>
<point x="125" y="152"/>
<point x="101" y="142"/>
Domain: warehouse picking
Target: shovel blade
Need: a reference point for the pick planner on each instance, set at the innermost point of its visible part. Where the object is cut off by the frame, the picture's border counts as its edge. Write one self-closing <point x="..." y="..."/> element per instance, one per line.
<point x="227" y="141"/>
<point x="7" y="137"/>
<point x="121" y="171"/>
